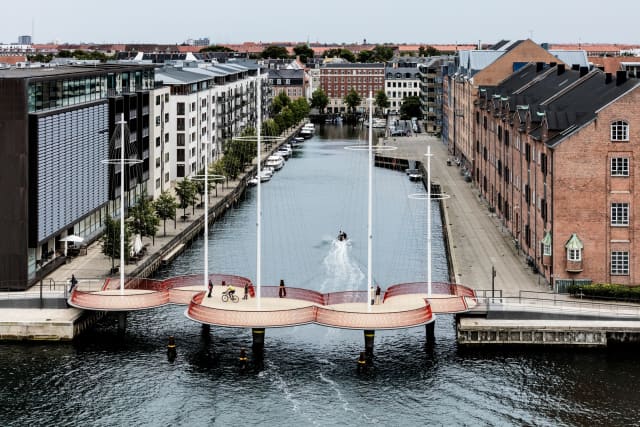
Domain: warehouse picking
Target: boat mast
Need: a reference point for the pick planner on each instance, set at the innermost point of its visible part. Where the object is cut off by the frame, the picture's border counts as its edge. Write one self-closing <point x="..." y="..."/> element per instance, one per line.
<point x="259" y="166"/>
<point x="370" y="206"/>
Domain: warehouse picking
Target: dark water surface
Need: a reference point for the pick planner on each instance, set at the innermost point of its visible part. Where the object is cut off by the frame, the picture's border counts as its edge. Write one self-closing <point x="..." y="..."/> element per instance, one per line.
<point x="309" y="375"/>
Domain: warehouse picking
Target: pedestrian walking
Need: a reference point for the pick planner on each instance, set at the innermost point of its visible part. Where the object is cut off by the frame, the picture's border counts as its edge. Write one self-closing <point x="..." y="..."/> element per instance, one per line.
<point x="210" y="288"/>
<point x="282" y="291"/>
<point x="246" y="290"/>
<point x="223" y="284"/>
<point x="74" y="282"/>
<point x="378" y="295"/>
<point x="371" y="293"/>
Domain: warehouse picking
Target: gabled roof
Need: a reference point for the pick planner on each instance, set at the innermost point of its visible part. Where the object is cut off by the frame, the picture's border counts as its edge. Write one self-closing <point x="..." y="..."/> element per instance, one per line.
<point x="572" y="57"/>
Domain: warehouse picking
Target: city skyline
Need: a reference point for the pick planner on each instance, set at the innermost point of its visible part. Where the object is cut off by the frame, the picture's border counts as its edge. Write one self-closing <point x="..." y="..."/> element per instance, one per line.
<point x="332" y="22"/>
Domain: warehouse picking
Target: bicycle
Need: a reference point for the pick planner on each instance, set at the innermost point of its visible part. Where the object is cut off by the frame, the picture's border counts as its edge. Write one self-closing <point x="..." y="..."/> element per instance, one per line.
<point x="227" y="295"/>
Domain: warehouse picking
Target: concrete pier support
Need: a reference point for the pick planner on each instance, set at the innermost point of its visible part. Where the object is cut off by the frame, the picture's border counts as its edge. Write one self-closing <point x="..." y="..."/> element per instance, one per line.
<point x="258" y="339"/>
<point x="431" y="333"/>
<point x="122" y="322"/>
<point x="369" y="337"/>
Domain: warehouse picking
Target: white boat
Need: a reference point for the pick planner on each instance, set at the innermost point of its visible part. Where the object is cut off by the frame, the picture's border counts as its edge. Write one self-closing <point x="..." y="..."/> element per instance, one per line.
<point x="253" y="181"/>
<point x="378" y="123"/>
<point x="297" y="141"/>
<point x="266" y="174"/>
<point x="309" y="126"/>
<point x="306" y="133"/>
<point x="275" y="161"/>
<point x="284" y="153"/>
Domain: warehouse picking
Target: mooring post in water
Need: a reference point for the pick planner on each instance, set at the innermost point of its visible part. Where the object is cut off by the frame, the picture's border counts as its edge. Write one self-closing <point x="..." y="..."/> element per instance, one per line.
<point x="171" y="349"/>
<point x="431" y="332"/>
<point x="369" y="336"/>
<point x="122" y="322"/>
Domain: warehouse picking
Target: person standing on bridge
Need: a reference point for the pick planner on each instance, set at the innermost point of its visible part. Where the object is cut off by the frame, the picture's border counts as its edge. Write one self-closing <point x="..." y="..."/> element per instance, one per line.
<point x="210" y="288"/>
<point x="282" y="291"/>
<point x="246" y="290"/>
<point x="378" y="295"/>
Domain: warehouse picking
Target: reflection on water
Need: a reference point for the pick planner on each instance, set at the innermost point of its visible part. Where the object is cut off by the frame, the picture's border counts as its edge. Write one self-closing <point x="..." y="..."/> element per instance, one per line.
<point x="309" y="374"/>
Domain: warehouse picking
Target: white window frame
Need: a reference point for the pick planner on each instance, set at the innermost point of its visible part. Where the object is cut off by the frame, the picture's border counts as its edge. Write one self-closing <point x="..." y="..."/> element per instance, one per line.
<point x="619" y="214"/>
<point x="619" y="166"/>
<point x="574" y="255"/>
<point x="619" y="263"/>
<point x="620" y="131"/>
<point x="546" y="250"/>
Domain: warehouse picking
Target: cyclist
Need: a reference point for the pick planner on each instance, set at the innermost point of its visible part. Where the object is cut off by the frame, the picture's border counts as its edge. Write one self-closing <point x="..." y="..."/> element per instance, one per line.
<point x="231" y="291"/>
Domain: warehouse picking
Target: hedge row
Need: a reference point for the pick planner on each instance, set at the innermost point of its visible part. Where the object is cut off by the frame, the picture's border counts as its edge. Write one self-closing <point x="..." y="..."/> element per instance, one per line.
<point x="606" y="290"/>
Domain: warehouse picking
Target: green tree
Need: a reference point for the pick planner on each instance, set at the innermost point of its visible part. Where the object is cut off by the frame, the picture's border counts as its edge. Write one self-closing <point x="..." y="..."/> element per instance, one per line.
<point x="145" y="220"/>
<point x="288" y="117"/>
<point x="319" y="100"/>
<point x="270" y="128"/>
<point x="382" y="101"/>
<point x="300" y="109"/>
<point x="279" y="102"/>
<point x="428" y="51"/>
<point x="340" y="53"/>
<point x="410" y="108"/>
<point x="166" y="206"/>
<point x="304" y="52"/>
<point x="382" y="53"/>
<point x="365" y="56"/>
<point x="275" y="51"/>
<point x="352" y="99"/>
<point x="111" y="240"/>
<point x="216" y="48"/>
<point x="186" y="192"/>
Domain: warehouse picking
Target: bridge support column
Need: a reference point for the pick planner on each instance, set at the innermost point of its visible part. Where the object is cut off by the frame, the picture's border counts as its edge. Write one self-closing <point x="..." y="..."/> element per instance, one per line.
<point x="122" y="322"/>
<point x="369" y="336"/>
<point x="258" y="339"/>
<point x="431" y="333"/>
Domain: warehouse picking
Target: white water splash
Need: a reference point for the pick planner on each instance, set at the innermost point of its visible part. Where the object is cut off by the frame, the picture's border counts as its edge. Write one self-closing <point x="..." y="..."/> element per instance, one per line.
<point x="342" y="272"/>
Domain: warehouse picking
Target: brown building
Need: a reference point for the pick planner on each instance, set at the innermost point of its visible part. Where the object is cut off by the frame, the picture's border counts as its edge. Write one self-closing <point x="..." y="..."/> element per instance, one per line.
<point x="553" y="155"/>
<point x="337" y="79"/>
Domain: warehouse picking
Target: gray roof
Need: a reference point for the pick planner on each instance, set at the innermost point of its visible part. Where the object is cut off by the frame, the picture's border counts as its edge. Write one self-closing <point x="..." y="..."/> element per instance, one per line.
<point x="571" y="57"/>
<point x="354" y="65"/>
<point x="57" y="71"/>
<point x="472" y="61"/>
<point x="415" y="72"/>
<point x="285" y="74"/>
<point x="173" y="75"/>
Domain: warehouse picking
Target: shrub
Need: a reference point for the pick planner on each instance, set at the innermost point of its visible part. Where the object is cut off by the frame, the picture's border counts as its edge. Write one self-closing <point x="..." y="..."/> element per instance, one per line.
<point x="606" y="290"/>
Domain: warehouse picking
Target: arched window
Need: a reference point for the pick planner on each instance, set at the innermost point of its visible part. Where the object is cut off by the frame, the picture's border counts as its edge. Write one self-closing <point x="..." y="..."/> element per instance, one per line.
<point x="620" y="131"/>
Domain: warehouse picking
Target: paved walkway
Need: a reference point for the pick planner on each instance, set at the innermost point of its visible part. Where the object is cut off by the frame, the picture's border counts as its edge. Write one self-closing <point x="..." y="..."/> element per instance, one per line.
<point x="479" y="242"/>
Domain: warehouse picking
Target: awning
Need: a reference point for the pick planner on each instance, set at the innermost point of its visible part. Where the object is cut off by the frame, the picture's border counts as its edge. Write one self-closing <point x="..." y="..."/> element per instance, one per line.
<point x="574" y="243"/>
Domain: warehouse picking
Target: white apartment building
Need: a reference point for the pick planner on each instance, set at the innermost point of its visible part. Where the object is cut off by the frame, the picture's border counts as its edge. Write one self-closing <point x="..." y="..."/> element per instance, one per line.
<point x="207" y="105"/>
<point x="401" y="80"/>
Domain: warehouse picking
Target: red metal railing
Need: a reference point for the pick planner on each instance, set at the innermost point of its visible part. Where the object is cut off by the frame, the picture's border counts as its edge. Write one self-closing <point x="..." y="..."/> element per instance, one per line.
<point x="102" y="302"/>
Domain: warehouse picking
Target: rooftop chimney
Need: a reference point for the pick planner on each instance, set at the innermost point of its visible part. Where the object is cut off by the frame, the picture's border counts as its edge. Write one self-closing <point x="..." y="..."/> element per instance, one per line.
<point x="553" y="64"/>
<point x="608" y="78"/>
<point x="575" y="67"/>
<point x="584" y="71"/>
<point x="621" y="77"/>
<point x="539" y="66"/>
<point x="560" y="69"/>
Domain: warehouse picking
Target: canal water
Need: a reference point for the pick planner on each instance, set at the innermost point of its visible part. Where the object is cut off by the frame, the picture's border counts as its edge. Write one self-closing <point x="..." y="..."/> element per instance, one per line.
<point x="309" y="374"/>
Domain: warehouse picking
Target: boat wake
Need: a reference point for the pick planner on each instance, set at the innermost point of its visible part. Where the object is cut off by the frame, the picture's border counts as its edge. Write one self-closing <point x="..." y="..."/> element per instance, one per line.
<point x="342" y="272"/>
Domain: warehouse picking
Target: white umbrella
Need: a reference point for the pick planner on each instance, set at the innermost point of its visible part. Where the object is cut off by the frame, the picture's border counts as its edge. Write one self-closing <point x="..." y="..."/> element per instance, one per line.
<point x="71" y="238"/>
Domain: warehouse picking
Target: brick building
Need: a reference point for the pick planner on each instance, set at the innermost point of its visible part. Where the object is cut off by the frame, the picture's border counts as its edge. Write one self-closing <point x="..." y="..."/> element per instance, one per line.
<point x="337" y="79"/>
<point x="553" y="155"/>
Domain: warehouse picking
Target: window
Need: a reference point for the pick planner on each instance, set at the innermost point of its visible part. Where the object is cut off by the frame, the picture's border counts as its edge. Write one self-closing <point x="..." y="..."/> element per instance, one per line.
<point x="157" y="141"/>
<point x="574" y="255"/>
<point x="158" y="100"/>
<point x="619" y="131"/>
<point x="619" y="166"/>
<point x="619" y="263"/>
<point x="180" y="108"/>
<point x="180" y="171"/>
<point x="157" y="120"/>
<point x="180" y="123"/>
<point x="620" y="214"/>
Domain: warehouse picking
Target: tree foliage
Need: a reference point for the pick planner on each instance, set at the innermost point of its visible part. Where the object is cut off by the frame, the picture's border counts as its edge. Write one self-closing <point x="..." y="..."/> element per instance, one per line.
<point x="379" y="53"/>
<point x="274" y="52"/>
<point x="166" y="206"/>
<point x="340" y="53"/>
<point x="145" y="220"/>
<point x="410" y="107"/>
<point x="111" y="239"/>
<point x="352" y="100"/>
<point x="304" y="52"/>
<point x="382" y="101"/>
<point x="216" y="48"/>
<point x="428" y="51"/>
<point x="186" y="192"/>
<point x="279" y="102"/>
<point x="319" y="100"/>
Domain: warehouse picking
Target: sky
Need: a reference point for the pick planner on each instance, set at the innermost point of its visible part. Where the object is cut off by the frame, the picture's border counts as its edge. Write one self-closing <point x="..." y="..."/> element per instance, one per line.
<point x="324" y="21"/>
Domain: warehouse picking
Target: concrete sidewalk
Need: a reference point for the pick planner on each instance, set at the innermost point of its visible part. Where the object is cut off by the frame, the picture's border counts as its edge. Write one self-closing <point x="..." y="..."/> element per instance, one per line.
<point x="478" y="239"/>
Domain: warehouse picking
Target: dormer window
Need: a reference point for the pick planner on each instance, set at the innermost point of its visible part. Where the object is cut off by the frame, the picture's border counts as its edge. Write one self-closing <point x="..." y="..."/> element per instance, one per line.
<point x="574" y="249"/>
<point x="620" y="131"/>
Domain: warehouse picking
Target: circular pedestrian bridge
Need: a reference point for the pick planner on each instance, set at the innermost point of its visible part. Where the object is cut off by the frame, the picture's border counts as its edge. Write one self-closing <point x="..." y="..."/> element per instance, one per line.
<point x="403" y="305"/>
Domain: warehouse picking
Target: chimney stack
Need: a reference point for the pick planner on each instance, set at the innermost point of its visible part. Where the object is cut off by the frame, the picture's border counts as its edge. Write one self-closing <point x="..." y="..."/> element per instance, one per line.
<point x="539" y="66"/>
<point x="575" y="67"/>
<point x="621" y="77"/>
<point x="584" y="71"/>
<point x="560" y="69"/>
<point x="608" y="78"/>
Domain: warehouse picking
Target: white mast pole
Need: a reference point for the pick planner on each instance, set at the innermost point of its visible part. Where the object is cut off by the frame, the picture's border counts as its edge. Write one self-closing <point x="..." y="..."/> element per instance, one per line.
<point x="206" y="216"/>
<point x="370" y="208"/>
<point x="429" y="220"/>
<point x="122" y="177"/>
<point x="259" y="213"/>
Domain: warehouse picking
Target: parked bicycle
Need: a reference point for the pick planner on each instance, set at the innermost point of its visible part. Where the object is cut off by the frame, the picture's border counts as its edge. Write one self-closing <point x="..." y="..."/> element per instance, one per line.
<point x="230" y="294"/>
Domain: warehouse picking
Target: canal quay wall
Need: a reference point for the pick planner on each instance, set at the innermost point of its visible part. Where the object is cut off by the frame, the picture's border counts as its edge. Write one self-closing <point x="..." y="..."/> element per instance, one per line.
<point x="35" y="314"/>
